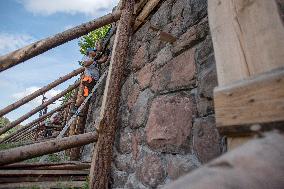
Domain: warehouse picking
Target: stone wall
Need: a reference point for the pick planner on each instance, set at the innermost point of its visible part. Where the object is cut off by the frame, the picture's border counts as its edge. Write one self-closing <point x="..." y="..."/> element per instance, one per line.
<point x="166" y="117"/>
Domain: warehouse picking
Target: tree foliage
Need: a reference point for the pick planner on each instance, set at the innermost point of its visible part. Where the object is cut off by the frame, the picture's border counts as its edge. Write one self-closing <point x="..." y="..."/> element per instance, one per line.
<point x="89" y="40"/>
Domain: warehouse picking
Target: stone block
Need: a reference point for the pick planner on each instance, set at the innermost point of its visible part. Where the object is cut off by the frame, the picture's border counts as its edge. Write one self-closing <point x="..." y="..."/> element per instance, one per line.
<point x="169" y="123"/>
<point x="178" y="165"/>
<point x="140" y="109"/>
<point x="206" y="139"/>
<point x="176" y="74"/>
<point x="151" y="172"/>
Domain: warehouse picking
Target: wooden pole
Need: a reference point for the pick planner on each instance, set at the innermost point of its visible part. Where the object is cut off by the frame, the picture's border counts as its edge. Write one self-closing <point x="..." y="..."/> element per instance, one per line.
<point x="255" y="165"/>
<point x="34" y="111"/>
<point x="102" y="156"/>
<point x="39" y="47"/>
<point x="71" y="165"/>
<point x="77" y="126"/>
<point x="39" y="92"/>
<point x="34" y="150"/>
<point x="29" y="125"/>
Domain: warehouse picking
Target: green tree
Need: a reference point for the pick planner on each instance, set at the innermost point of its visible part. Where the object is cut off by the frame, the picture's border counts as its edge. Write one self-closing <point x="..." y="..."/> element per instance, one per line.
<point x="89" y="40"/>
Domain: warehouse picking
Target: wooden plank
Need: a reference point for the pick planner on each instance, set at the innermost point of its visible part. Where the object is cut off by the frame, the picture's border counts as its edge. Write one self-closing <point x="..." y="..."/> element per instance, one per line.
<point x="44" y="185"/>
<point x="248" y="38"/>
<point x="234" y="142"/>
<point x="139" y="6"/>
<point x="147" y="9"/>
<point x="7" y="173"/>
<point x="39" y="165"/>
<point x="259" y="99"/>
<point x="102" y="155"/>
<point x="230" y="60"/>
<point x="40" y="178"/>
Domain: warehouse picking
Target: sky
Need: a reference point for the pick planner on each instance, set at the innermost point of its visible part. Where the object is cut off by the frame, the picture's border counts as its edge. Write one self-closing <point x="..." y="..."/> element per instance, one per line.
<point x="27" y="21"/>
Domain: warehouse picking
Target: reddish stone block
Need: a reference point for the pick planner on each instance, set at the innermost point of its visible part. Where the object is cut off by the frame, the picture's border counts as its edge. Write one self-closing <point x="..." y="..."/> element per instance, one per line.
<point x="169" y="123"/>
<point x="206" y="139"/>
<point x="151" y="172"/>
<point x="176" y="74"/>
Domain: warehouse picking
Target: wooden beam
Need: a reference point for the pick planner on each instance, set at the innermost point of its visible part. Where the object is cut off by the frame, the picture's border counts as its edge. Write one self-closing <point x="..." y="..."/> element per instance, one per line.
<point x="35" y="110"/>
<point x="102" y="155"/>
<point x="34" y="150"/>
<point x="259" y="99"/>
<point x="39" y="47"/>
<point x="49" y="184"/>
<point x="147" y="9"/>
<point x="255" y="165"/>
<point x="42" y="172"/>
<point x="39" y="92"/>
<point x="71" y="165"/>
<point x="29" y="125"/>
<point x="248" y="38"/>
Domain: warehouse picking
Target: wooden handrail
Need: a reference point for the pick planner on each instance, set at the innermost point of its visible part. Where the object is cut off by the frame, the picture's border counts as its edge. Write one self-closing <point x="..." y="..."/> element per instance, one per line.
<point x="14" y="58"/>
<point x="34" y="111"/>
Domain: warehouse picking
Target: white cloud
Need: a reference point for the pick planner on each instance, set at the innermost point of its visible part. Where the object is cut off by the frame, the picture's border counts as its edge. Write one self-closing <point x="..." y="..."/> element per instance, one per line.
<point x="10" y="42"/>
<point x="37" y="101"/>
<point x="48" y="7"/>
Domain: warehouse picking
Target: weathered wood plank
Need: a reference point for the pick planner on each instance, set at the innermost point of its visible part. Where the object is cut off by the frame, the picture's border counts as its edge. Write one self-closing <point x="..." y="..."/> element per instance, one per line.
<point x="147" y="9"/>
<point x="259" y="99"/>
<point x="44" y="185"/>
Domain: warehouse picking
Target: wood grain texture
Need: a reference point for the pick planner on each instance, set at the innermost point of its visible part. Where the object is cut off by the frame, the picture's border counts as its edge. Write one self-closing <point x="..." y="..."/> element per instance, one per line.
<point x="102" y="155"/>
<point x="248" y="38"/>
<point x="259" y="99"/>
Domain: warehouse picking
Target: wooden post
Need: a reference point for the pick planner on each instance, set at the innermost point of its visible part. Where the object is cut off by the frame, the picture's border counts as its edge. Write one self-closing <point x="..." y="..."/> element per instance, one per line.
<point x="29" y="125"/>
<point x="34" y="111"/>
<point x="78" y="125"/>
<point x="248" y="40"/>
<point x="39" y="92"/>
<point x="34" y="150"/>
<point x="102" y="155"/>
<point x="39" y="47"/>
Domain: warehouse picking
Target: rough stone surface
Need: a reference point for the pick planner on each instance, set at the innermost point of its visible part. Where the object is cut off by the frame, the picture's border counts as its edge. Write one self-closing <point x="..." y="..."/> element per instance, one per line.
<point x="207" y="80"/>
<point x="119" y="179"/>
<point x="140" y="58"/>
<point x="124" y="144"/>
<point x="192" y="36"/>
<point x="123" y="163"/>
<point x="140" y="109"/>
<point x="169" y="123"/>
<point x="176" y="74"/>
<point x="180" y="165"/>
<point x="206" y="140"/>
<point x="144" y="76"/>
<point x="151" y="172"/>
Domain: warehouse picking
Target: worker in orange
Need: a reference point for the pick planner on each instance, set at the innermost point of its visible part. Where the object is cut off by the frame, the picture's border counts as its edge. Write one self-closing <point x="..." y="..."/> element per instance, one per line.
<point x="91" y="63"/>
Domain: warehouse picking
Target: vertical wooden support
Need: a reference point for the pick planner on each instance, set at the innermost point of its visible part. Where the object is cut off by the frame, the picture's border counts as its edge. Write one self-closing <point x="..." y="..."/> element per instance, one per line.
<point x="248" y="39"/>
<point x="102" y="155"/>
<point x="72" y="131"/>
